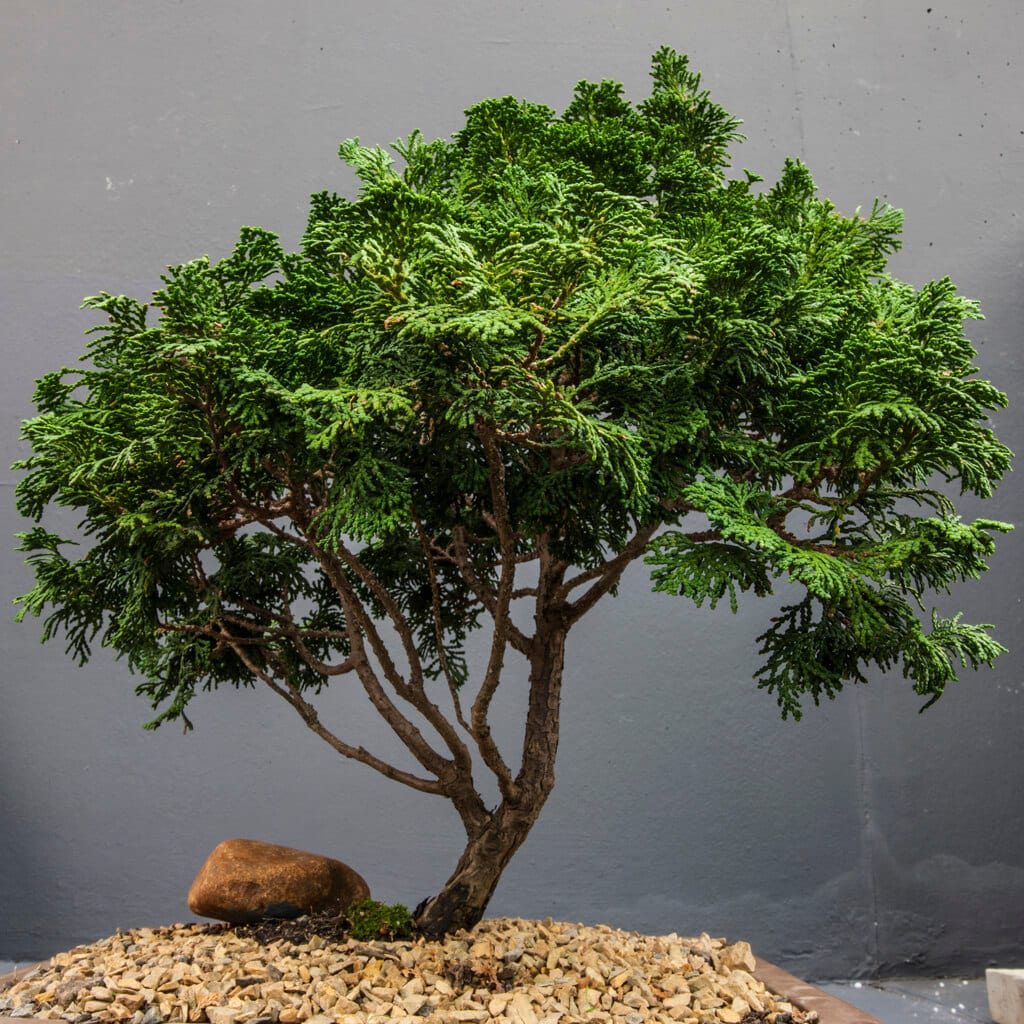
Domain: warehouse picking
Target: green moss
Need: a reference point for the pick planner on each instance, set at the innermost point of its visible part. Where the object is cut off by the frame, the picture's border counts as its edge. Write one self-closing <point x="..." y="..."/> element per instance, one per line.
<point x="370" y="920"/>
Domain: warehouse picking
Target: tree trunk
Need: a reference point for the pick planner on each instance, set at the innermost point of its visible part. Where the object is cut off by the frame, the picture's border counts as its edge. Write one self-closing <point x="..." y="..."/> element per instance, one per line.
<point x="464" y="898"/>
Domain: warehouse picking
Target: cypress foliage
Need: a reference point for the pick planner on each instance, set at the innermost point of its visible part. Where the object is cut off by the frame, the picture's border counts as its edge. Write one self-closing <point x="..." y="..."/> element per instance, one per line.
<point x="568" y="340"/>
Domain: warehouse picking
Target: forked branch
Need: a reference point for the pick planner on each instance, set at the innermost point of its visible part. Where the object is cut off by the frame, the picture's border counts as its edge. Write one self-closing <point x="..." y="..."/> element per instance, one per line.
<point x="291" y="694"/>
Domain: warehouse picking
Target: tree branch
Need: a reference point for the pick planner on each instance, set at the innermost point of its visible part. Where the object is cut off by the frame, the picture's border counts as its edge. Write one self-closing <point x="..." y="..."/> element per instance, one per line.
<point x="606" y="575"/>
<point x="540" y="737"/>
<point x="435" y="600"/>
<point x="483" y="592"/>
<point x="360" y="624"/>
<point x="413" y="691"/>
<point x="502" y="622"/>
<point x="290" y="693"/>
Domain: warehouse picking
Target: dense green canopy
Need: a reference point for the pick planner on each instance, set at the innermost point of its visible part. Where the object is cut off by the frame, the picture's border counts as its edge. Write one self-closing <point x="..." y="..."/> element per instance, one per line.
<point x="563" y="334"/>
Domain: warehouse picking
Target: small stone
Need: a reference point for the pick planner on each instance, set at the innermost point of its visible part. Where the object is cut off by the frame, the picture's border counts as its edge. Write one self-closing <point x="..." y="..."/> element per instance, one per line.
<point x="496" y="1007"/>
<point x="413" y="987"/>
<point x="680" y="999"/>
<point x="412" y="1003"/>
<point x="153" y="978"/>
<point x="222" y="1014"/>
<point x="244" y="880"/>
<point x="744" y="987"/>
<point x="738" y="955"/>
<point x="520" y="1010"/>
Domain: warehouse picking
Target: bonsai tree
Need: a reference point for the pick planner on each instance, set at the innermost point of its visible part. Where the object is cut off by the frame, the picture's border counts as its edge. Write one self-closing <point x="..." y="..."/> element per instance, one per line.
<point x="519" y="361"/>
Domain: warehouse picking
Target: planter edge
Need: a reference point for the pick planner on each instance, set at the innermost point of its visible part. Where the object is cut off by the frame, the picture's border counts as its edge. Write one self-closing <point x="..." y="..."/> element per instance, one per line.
<point x="830" y="1009"/>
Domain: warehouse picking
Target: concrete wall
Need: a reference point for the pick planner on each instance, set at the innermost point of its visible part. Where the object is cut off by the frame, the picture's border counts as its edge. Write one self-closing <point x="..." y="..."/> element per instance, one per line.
<point x="865" y="839"/>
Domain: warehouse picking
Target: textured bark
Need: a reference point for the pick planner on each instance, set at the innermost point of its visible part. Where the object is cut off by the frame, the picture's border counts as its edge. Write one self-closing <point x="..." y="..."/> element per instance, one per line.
<point x="464" y="898"/>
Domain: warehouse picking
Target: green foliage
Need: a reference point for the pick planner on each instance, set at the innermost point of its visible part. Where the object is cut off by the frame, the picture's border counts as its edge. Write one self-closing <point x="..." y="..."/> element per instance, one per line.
<point x="369" y="920"/>
<point x="540" y="338"/>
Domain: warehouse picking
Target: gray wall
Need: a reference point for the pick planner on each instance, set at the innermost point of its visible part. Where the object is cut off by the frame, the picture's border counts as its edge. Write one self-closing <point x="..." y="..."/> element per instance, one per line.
<point x="865" y="839"/>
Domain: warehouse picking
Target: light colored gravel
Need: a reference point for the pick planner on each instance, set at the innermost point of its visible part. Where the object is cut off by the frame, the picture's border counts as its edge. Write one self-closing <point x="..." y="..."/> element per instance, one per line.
<point x="504" y="970"/>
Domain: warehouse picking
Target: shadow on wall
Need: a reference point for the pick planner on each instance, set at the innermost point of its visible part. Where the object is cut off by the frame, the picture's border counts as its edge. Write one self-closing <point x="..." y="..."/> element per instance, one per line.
<point x="849" y="943"/>
<point x="956" y="893"/>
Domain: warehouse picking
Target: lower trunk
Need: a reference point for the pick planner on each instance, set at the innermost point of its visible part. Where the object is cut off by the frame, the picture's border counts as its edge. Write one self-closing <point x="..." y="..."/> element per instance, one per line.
<point x="464" y="898"/>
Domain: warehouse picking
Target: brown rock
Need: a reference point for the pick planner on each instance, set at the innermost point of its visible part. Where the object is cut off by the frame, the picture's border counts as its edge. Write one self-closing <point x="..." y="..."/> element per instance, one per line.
<point x="244" y="880"/>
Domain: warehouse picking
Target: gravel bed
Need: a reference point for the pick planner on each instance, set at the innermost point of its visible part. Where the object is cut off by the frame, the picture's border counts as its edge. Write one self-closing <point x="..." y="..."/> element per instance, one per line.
<point x="504" y="970"/>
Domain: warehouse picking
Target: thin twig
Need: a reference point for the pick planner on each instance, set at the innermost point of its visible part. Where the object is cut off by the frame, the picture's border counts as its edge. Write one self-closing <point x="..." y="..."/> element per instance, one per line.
<point x="435" y="598"/>
<point x="308" y="714"/>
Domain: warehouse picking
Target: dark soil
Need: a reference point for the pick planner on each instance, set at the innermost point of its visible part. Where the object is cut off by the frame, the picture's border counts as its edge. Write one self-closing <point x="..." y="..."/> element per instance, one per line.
<point x="328" y="925"/>
<point x="332" y="927"/>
